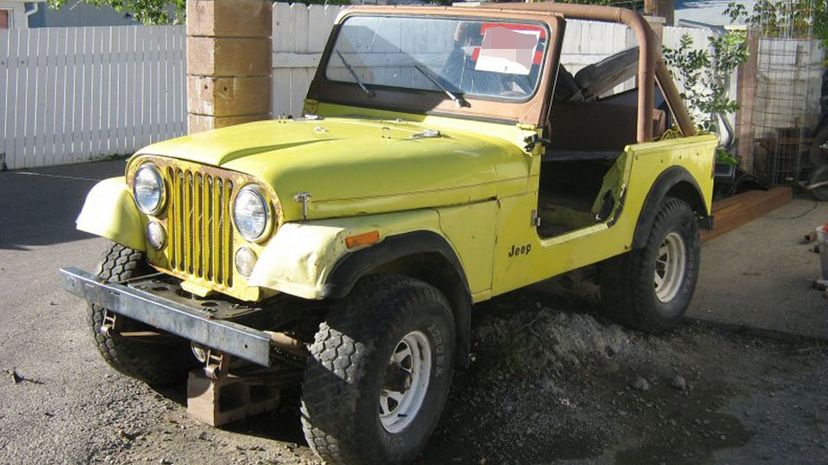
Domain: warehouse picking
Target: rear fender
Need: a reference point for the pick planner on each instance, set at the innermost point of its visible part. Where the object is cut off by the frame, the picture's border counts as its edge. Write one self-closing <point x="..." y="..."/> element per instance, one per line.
<point x="678" y="182"/>
<point x="110" y="212"/>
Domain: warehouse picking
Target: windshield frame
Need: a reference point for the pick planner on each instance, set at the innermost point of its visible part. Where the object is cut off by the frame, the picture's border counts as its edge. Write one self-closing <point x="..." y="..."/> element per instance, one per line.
<point x="525" y="110"/>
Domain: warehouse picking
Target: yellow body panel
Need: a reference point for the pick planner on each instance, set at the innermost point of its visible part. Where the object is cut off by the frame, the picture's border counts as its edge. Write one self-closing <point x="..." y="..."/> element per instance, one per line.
<point x="368" y="162"/>
<point x="300" y="256"/>
<point x="556" y="255"/>
<point x="487" y="221"/>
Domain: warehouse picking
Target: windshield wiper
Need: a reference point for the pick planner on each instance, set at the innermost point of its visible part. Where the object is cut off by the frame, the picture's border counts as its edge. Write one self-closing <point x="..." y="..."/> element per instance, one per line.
<point x="454" y="97"/>
<point x="354" y="75"/>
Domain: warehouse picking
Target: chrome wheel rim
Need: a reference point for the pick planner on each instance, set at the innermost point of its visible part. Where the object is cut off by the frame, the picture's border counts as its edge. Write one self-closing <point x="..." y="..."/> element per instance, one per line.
<point x="406" y="382"/>
<point x="670" y="267"/>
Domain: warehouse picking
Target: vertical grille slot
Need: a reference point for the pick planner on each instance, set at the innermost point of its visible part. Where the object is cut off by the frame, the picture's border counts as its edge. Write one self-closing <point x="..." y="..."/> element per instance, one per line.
<point x="199" y="228"/>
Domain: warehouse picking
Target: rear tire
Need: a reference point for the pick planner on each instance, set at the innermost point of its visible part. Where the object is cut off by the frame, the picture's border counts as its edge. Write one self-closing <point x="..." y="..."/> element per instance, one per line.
<point x="379" y="373"/>
<point x="650" y="288"/>
<point x="157" y="364"/>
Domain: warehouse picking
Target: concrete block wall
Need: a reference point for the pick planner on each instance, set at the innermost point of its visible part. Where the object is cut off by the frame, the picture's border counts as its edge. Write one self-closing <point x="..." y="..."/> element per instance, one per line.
<point x="229" y="67"/>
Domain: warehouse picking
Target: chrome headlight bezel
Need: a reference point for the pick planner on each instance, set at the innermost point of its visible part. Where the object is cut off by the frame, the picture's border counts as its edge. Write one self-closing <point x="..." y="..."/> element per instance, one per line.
<point x="267" y="210"/>
<point x="158" y="179"/>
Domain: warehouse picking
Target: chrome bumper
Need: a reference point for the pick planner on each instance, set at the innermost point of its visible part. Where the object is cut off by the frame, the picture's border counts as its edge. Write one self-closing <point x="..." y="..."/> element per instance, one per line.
<point x="188" y="322"/>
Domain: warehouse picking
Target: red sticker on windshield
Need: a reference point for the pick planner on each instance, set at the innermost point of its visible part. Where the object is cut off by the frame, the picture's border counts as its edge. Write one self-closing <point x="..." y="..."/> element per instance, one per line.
<point x="507" y="50"/>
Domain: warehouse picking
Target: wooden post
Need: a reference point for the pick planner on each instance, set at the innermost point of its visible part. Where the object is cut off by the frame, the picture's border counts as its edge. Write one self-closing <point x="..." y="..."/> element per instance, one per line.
<point x="228" y="62"/>
<point x="746" y="77"/>
<point x="663" y="8"/>
<point x="657" y="25"/>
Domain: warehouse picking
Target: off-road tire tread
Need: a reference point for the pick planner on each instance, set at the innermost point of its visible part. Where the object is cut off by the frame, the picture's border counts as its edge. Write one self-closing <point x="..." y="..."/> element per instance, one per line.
<point x="338" y="353"/>
<point x="156" y="364"/>
<point x="626" y="287"/>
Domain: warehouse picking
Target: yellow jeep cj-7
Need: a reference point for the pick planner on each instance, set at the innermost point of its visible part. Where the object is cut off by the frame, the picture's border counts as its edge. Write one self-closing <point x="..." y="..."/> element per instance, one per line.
<point x="446" y="157"/>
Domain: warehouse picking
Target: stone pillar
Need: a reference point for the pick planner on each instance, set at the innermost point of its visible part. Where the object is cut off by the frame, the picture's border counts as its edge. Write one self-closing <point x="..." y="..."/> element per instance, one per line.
<point x="228" y="62"/>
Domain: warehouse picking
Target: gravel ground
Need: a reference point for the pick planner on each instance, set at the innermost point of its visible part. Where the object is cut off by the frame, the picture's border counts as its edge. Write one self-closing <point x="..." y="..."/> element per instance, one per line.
<point x="551" y="383"/>
<point x="548" y="385"/>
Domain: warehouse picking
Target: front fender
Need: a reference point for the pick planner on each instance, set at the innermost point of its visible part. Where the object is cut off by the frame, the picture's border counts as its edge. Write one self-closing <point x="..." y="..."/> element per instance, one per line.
<point x="300" y="257"/>
<point x="110" y="212"/>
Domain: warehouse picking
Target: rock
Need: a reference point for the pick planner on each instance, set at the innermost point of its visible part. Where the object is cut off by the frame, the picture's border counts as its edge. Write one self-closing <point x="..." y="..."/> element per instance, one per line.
<point x="679" y="383"/>
<point x="641" y="384"/>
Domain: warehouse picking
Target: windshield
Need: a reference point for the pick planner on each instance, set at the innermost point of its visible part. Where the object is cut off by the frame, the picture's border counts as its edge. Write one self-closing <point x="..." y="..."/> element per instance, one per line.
<point x="454" y="56"/>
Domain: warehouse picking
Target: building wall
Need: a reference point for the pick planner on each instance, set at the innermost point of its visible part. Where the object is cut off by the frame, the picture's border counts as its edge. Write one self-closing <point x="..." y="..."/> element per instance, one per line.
<point x="707" y="11"/>
<point x="79" y="14"/>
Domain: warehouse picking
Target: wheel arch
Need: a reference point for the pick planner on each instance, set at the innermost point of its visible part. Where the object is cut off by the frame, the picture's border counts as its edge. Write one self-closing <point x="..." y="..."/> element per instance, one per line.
<point x="677" y="182"/>
<point x="423" y="255"/>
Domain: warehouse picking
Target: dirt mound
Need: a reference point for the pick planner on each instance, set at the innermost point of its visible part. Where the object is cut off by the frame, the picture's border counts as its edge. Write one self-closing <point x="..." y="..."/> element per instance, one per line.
<point x="546" y="340"/>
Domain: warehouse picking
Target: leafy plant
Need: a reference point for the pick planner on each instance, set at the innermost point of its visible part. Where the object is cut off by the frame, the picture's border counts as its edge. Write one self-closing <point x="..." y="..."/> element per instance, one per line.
<point x="791" y="18"/>
<point x="144" y="11"/>
<point x="703" y="74"/>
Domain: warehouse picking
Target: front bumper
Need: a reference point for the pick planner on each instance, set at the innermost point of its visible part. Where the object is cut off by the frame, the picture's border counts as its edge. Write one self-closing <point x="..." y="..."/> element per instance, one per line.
<point x="192" y="323"/>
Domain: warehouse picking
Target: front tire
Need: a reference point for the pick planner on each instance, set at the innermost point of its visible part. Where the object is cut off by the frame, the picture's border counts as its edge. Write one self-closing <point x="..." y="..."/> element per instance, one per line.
<point x="379" y="373"/>
<point x="158" y="364"/>
<point x="650" y="288"/>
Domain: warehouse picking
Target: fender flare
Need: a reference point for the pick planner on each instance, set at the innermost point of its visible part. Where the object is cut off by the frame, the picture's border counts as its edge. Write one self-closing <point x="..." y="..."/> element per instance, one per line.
<point x="355" y="265"/>
<point x="667" y="180"/>
<point x="110" y="212"/>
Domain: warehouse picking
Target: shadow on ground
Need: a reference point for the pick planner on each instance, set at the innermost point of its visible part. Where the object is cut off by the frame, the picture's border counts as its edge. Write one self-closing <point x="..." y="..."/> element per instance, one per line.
<point x="39" y="206"/>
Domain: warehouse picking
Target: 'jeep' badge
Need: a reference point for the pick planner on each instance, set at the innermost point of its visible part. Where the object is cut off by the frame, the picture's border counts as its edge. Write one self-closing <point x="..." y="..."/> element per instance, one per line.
<point x="518" y="250"/>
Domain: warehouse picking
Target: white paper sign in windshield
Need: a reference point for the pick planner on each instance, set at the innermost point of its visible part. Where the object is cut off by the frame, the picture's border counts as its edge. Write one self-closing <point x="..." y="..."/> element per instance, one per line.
<point x="507" y="51"/>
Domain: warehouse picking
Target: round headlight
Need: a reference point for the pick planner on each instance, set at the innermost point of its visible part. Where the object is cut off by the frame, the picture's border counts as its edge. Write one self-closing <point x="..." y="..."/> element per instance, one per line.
<point x="251" y="213"/>
<point x="148" y="189"/>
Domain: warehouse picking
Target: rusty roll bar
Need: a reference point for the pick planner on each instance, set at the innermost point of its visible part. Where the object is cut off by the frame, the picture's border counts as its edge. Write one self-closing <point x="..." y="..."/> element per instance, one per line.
<point x="650" y="63"/>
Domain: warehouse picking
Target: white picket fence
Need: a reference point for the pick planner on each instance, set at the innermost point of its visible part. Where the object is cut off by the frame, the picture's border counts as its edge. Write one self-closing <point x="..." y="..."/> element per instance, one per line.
<point x="76" y="94"/>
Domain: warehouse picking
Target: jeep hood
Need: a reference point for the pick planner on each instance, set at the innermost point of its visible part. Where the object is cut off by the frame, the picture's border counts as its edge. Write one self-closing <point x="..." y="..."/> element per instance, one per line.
<point x="353" y="166"/>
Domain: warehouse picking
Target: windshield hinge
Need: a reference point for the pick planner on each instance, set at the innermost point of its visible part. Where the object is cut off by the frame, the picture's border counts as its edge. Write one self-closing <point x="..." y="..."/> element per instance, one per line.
<point x="533" y="140"/>
<point x="536" y="219"/>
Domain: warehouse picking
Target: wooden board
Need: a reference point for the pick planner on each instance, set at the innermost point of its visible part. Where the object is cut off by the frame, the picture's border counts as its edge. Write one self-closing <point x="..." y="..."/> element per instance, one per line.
<point x="735" y="211"/>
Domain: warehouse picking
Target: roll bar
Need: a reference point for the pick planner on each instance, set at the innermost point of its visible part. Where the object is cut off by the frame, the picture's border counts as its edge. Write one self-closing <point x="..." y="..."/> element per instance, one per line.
<point x="651" y="67"/>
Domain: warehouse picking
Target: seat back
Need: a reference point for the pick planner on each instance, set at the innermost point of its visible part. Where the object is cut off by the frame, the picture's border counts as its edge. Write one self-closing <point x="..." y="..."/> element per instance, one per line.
<point x="597" y="126"/>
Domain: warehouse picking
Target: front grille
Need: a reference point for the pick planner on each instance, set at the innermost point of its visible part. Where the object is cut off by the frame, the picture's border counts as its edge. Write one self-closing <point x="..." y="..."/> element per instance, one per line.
<point x="200" y="231"/>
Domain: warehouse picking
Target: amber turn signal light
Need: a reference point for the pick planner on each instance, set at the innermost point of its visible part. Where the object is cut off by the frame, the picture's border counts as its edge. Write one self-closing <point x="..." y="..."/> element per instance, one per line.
<point x="362" y="239"/>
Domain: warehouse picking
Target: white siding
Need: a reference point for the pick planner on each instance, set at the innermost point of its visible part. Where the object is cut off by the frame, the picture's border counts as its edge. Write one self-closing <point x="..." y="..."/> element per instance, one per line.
<point x="299" y="36"/>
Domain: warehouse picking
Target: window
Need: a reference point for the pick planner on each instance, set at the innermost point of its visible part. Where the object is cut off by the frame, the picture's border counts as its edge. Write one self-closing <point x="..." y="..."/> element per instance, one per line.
<point x="476" y="57"/>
